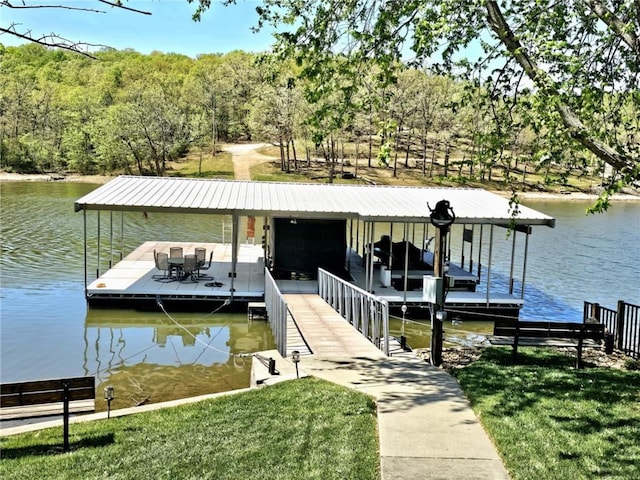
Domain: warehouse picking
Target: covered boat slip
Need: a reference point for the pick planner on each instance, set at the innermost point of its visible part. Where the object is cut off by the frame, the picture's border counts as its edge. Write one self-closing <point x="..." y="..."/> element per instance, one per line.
<point x="311" y="226"/>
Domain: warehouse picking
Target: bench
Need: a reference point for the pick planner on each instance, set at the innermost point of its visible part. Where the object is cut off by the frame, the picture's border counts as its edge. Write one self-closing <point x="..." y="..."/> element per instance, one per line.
<point x="48" y="397"/>
<point x="547" y="334"/>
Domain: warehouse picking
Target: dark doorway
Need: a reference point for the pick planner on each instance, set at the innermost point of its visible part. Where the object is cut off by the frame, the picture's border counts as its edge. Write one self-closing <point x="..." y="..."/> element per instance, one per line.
<point x="303" y="245"/>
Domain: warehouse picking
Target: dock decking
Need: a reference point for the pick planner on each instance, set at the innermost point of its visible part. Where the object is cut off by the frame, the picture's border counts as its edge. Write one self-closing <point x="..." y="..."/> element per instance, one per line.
<point x="132" y="277"/>
<point x="327" y="334"/>
<point x="131" y="280"/>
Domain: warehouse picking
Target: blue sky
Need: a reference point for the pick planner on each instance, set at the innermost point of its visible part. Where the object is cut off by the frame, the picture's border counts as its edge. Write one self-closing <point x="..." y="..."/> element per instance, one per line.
<point x="169" y="29"/>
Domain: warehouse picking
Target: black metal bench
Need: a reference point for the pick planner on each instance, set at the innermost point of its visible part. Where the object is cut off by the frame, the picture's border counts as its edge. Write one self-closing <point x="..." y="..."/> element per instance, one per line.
<point x="547" y="334"/>
<point x="48" y="397"/>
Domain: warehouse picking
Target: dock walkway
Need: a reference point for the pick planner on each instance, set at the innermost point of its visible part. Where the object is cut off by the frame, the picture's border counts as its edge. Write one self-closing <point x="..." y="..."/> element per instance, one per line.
<point x="427" y="429"/>
<point x="327" y="334"/>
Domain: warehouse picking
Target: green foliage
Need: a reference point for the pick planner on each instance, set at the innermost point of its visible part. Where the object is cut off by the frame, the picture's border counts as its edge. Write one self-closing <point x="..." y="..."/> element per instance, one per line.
<point x="123" y="112"/>
<point x="448" y="83"/>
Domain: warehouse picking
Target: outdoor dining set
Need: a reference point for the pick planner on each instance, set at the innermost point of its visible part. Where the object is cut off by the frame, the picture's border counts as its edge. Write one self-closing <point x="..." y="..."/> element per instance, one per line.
<point x="185" y="268"/>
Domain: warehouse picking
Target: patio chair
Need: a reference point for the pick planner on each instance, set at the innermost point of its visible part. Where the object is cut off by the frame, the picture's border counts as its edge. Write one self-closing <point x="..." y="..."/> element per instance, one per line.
<point x="175" y="252"/>
<point x="190" y="269"/>
<point x="201" y="254"/>
<point x="162" y="264"/>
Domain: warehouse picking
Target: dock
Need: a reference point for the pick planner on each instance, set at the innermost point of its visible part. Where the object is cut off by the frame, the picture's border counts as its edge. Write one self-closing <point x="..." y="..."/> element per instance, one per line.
<point x="131" y="280"/>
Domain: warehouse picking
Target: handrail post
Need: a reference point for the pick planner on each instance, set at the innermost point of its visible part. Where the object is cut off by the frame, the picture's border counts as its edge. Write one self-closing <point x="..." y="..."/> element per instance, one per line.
<point x="620" y="320"/>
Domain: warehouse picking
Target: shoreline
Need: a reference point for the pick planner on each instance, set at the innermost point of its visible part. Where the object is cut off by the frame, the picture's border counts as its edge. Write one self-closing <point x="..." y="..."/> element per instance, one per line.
<point x="102" y="179"/>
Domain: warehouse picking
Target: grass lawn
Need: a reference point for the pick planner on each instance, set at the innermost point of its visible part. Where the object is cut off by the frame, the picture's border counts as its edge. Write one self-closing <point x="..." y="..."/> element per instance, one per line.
<point x="550" y="421"/>
<point x="203" y="165"/>
<point x="302" y="429"/>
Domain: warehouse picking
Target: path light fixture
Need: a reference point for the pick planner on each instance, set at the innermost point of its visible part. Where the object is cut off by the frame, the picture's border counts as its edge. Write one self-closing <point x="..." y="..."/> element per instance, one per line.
<point x="295" y="358"/>
<point x="442" y="217"/>
<point x="109" y="396"/>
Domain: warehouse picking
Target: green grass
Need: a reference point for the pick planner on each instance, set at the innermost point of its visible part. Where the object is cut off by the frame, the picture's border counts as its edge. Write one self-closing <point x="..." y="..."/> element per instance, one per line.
<point x="550" y="421"/>
<point x="206" y="166"/>
<point x="303" y="429"/>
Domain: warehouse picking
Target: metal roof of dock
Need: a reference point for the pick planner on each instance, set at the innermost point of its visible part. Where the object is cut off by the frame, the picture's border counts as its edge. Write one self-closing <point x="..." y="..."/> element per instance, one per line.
<point x="303" y="200"/>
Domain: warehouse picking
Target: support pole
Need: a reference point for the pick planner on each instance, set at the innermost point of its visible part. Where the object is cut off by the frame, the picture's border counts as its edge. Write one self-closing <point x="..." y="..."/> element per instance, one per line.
<point x="98" y="266"/>
<point x="435" y="351"/>
<point x="65" y="414"/>
<point x="234" y="253"/>
<point x="524" y="265"/>
<point x="372" y="229"/>
<point x="513" y="254"/>
<point x="406" y="261"/>
<point x="489" y="264"/>
<point x="442" y="217"/>
<point x="86" y="274"/>
<point x="110" y="239"/>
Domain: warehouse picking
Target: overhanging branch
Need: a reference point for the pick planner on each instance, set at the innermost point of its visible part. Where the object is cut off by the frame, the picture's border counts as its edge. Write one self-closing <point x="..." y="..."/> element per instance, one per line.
<point x="53" y="40"/>
<point x="546" y="84"/>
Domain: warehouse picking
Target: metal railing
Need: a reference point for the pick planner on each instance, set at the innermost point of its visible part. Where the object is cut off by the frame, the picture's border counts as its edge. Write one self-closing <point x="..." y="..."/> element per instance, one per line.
<point x="366" y="312"/>
<point x="277" y="311"/>
<point x="623" y="324"/>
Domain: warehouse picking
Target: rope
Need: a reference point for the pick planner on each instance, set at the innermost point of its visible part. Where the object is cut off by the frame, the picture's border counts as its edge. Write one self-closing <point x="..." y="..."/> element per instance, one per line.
<point x="124" y="360"/>
<point x="406" y="320"/>
<point x="226" y="302"/>
<point x="485" y="315"/>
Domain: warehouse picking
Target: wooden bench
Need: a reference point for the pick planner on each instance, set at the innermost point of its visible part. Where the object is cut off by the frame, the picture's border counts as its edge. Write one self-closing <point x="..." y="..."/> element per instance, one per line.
<point x="48" y="397"/>
<point x="547" y="334"/>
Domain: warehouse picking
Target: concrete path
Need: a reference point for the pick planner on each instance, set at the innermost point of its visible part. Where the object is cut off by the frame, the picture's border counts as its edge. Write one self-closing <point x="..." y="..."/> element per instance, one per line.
<point x="427" y="429"/>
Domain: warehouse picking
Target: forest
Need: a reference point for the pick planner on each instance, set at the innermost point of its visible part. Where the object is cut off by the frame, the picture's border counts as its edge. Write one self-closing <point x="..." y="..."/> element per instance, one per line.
<point x="125" y="112"/>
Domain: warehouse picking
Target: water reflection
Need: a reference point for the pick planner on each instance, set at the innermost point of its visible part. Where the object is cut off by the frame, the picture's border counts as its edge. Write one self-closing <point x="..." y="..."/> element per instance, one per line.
<point x="152" y="357"/>
<point x="457" y="333"/>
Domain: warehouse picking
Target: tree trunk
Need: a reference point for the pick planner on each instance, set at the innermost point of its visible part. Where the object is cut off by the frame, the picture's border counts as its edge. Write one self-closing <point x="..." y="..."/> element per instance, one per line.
<point x="214" y="129"/>
<point x="283" y="163"/>
<point x="295" y="156"/>
<point x="447" y="153"/>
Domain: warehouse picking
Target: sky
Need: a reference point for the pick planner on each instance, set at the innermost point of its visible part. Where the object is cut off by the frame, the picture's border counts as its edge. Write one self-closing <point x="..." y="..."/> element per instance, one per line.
<point x="169" y="29"/>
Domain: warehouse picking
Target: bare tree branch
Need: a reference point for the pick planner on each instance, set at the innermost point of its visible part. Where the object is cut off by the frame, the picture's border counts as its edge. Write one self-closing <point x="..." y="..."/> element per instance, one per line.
<point x="52" y="39"/>
<point x="119" y="4"/>
<point x="7" y="3"/>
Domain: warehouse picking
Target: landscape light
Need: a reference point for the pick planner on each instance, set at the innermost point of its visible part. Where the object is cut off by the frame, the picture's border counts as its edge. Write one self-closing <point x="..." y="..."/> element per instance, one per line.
<point x="109" y="396"/>
<point x="295" y="358"/>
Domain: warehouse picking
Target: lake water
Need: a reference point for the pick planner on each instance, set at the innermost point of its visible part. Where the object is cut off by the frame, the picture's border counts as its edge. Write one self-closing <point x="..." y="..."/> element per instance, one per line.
<point x="48" y="331"/>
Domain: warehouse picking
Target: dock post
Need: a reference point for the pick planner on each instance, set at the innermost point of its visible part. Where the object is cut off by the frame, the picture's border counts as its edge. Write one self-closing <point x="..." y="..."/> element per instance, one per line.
<point x="620" y="324"/>
<point x="442" y="217"/>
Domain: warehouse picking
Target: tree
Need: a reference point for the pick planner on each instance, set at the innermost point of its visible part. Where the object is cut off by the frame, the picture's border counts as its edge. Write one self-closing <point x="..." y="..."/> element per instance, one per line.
<point x="581" y="58"/>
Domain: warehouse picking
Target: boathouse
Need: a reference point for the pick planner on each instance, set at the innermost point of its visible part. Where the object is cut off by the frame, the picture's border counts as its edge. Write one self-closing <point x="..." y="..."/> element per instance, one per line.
<point x="377" y="237"/>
